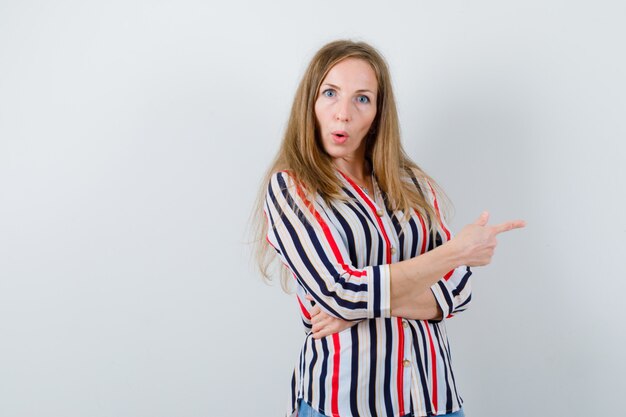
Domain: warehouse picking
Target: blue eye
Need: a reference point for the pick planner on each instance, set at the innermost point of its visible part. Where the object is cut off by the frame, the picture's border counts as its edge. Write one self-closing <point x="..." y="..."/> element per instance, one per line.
<point x="329" y="93"/>
<point x="363" y="99"/>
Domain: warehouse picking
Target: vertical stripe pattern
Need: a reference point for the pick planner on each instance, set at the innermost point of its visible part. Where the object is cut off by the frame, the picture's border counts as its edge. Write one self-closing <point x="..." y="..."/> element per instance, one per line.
<point x="339" y="254"/>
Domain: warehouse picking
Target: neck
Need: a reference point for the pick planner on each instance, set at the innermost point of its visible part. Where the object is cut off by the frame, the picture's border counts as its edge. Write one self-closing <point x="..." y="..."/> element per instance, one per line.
<point x="357" y="168"/>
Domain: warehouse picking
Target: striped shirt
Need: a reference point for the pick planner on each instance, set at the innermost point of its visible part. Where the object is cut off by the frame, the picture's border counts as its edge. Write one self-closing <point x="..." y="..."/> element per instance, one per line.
<point x="340" y="255"/>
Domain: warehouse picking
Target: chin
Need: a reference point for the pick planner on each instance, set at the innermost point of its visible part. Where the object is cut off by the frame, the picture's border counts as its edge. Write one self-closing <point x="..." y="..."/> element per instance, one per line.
<point x="337" y="153"/>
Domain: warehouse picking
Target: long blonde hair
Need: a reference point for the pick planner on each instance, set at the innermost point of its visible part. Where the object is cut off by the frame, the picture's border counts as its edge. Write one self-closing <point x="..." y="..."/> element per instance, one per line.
<point x="303" y="155"/>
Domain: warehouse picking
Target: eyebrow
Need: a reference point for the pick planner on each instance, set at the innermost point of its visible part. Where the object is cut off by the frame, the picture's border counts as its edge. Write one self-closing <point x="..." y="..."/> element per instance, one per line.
<point x="358" y="91"/>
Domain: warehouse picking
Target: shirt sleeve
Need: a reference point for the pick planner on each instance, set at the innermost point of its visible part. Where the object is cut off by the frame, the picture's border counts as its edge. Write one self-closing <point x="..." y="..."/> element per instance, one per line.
<point x="310" y="246"/>
<point x="453" y="292"/>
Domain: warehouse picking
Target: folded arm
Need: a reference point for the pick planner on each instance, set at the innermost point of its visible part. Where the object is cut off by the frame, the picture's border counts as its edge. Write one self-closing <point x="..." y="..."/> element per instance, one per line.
<point x="311" y="248"/>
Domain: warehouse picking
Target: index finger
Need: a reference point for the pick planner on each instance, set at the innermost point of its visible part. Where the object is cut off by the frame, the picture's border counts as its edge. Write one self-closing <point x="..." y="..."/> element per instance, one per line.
<point x="506" y="226"/>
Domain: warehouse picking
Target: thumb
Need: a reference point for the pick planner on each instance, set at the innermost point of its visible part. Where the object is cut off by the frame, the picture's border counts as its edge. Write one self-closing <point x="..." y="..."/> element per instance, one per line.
<point x="483" y="219"/>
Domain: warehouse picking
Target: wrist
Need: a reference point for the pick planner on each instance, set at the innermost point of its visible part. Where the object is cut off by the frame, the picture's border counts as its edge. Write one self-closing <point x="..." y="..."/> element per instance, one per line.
<point x="453" y="253"/>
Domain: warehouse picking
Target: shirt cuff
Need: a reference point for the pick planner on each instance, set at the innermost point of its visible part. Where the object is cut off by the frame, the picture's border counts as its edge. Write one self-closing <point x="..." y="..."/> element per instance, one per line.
<point x="444" y="298"/>
<point x="379" y="291"/>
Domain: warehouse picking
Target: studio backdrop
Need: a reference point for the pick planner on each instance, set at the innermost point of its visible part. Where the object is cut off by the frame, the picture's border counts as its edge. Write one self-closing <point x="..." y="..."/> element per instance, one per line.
<point x="133" y="137"/>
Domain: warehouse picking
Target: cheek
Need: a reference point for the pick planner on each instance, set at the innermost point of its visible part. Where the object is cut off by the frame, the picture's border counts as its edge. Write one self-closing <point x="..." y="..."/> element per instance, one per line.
<point x="368" y="111"/>
<point x="374" y="113"/>
<point x="369" y="119"/>
<point x="318" y="113"/>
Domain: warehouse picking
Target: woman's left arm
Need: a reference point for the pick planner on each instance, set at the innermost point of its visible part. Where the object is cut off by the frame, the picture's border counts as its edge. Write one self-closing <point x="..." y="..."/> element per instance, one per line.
<point x="453" y="292"/>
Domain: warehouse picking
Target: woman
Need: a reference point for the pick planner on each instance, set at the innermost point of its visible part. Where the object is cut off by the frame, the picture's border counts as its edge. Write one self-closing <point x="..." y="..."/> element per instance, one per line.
<point x="359" y="228"/>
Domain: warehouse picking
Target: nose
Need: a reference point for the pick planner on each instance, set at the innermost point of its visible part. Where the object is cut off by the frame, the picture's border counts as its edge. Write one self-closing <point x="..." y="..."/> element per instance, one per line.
<point x="343" y="113"/>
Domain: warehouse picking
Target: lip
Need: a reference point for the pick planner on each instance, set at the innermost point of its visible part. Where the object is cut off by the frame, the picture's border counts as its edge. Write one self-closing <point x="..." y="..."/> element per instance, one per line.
<point x="339" y="136"/>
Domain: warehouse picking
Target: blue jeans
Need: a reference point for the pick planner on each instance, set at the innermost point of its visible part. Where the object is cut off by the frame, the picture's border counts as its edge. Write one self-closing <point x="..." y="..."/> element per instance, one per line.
<point x="305" y="410"/>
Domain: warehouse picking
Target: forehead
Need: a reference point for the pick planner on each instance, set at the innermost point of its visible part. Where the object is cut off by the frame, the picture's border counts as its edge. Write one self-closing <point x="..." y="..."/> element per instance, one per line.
<point x="352" y="73"/>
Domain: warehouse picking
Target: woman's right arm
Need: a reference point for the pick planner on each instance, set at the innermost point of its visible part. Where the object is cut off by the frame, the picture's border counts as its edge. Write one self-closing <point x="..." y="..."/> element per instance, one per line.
<point x="311" y="247"/>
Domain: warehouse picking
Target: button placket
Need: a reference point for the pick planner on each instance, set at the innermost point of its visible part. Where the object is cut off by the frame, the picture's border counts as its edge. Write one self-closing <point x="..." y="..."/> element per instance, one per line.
<point x="386" y="220"/>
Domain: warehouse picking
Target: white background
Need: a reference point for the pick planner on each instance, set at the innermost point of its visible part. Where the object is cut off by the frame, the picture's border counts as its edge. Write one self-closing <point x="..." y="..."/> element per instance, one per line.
<point x="132" y="138"/>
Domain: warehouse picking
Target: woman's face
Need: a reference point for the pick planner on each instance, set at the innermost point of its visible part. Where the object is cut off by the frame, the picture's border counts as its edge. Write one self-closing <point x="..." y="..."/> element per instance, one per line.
<point x="346" y="107"/>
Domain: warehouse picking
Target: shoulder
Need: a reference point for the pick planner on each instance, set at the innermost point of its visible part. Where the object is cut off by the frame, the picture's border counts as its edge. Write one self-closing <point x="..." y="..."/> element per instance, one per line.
<point x="283" y="181"/>
<point x="418" y="179"/>
<point x="284" y="185"/>
<point x="428" y="188"/>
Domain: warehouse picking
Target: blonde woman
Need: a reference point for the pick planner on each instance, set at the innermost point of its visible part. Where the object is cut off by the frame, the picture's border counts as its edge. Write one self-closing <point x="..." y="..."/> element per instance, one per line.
<point x="359" y="229"/>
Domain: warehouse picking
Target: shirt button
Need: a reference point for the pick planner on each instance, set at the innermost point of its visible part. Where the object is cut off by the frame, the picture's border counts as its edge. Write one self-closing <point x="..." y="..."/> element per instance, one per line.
<point x="405" y="324"/>
<point x="406" y="363"/>
<point x="393" y="250"/>
<point x="379" y="213"/>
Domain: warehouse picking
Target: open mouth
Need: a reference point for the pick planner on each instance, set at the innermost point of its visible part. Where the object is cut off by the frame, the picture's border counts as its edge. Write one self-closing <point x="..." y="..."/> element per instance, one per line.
<point x="340" y="136"/>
